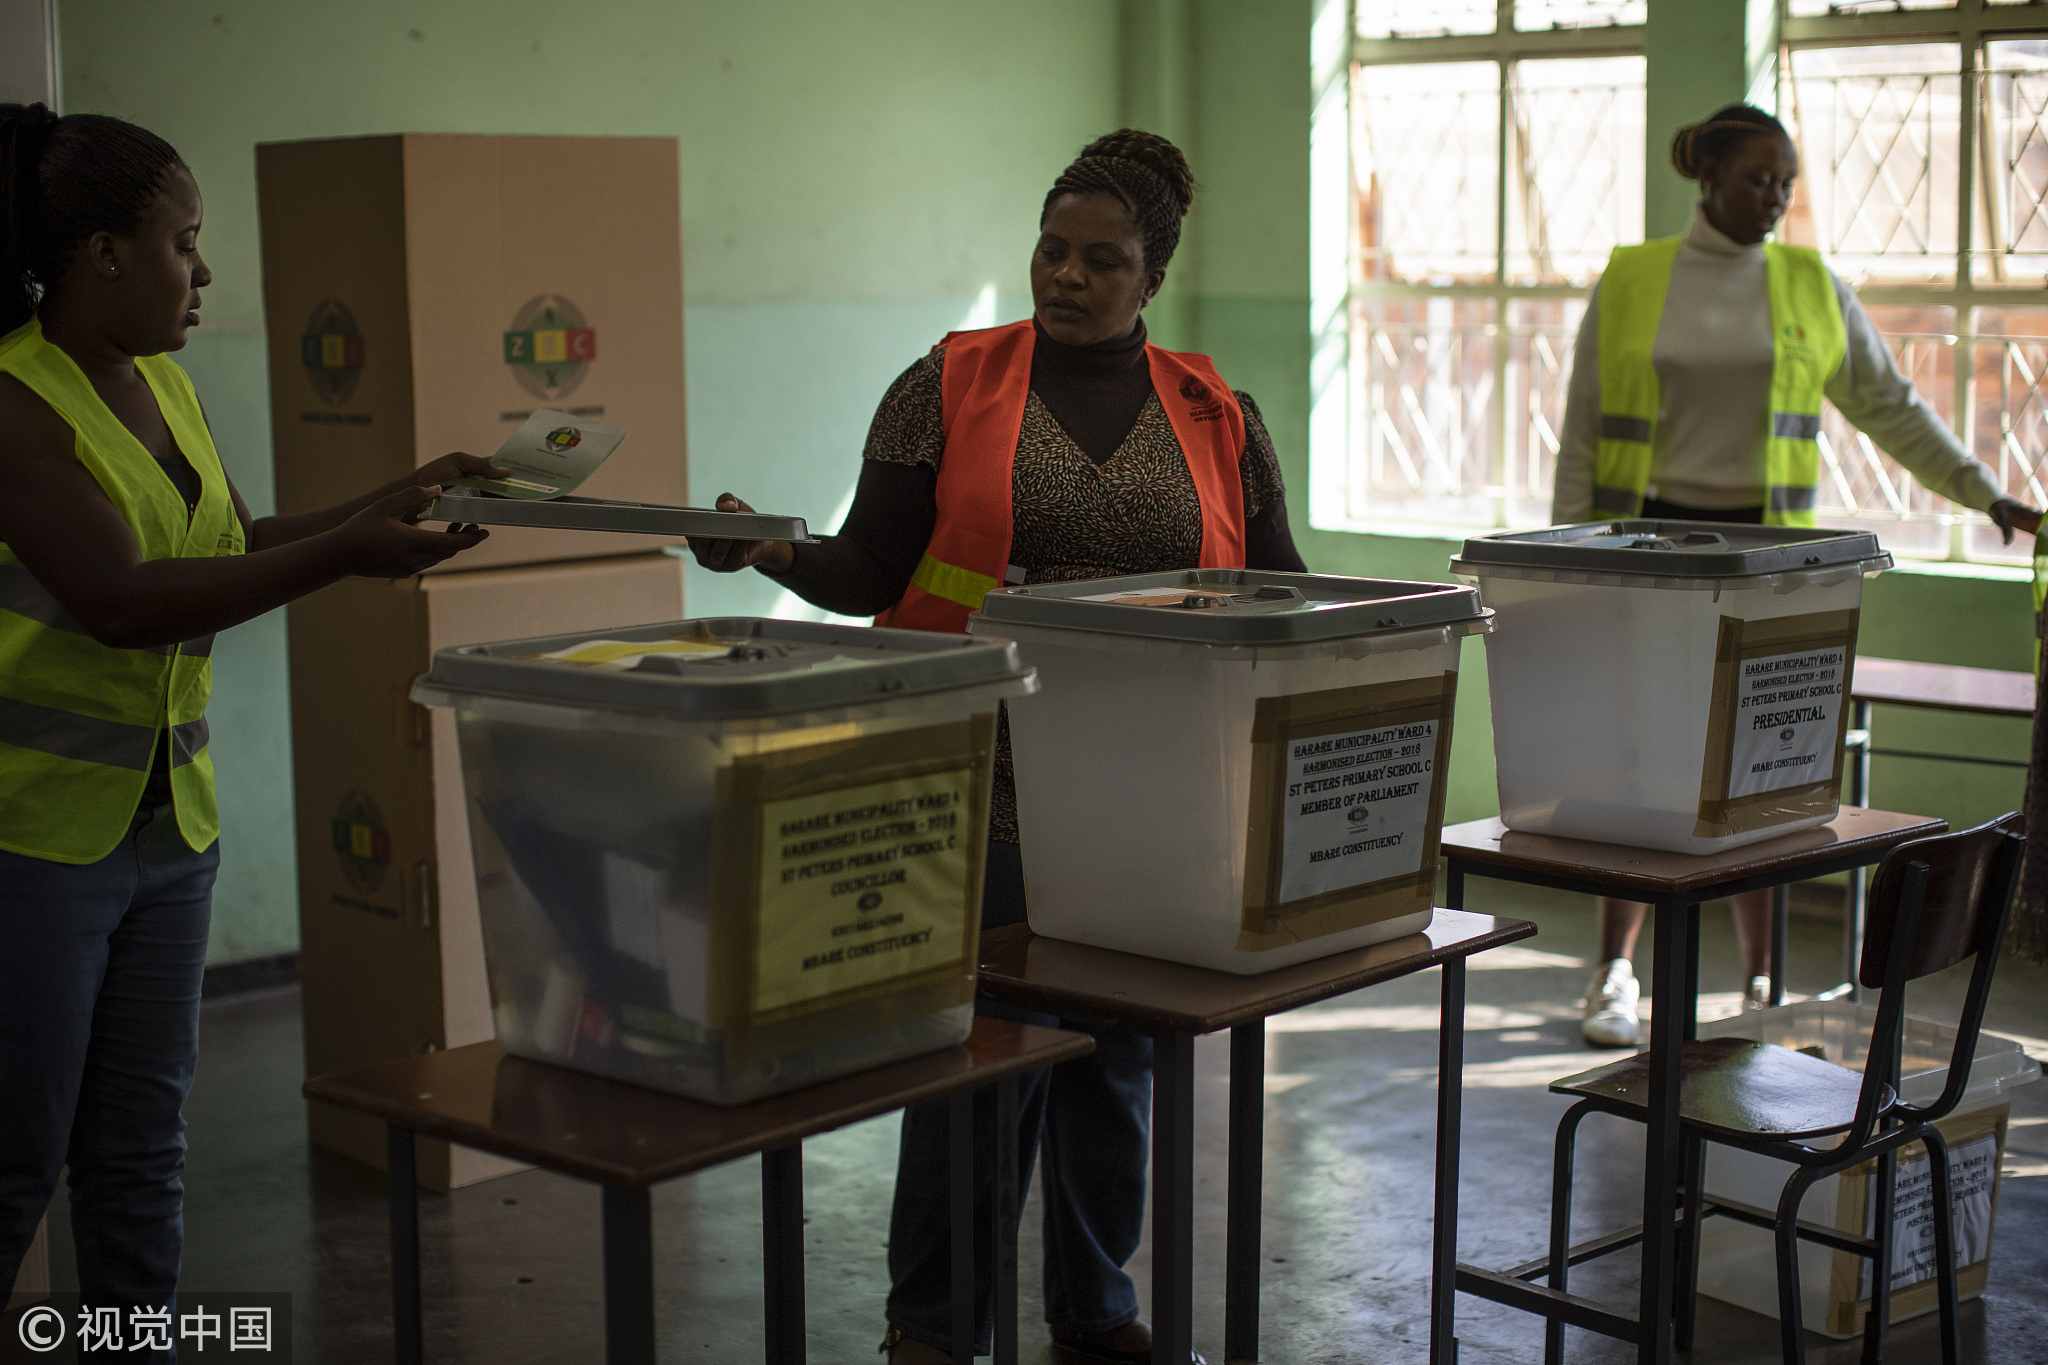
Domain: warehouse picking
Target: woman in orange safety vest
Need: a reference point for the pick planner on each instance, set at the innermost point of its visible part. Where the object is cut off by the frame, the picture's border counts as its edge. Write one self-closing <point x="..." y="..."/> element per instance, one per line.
<point x="1062" y="447"/>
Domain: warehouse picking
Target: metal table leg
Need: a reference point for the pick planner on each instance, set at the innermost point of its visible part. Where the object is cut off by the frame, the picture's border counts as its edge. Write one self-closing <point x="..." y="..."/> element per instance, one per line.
<point x="1859" y="903"/>
<point x="405" y="1244"/>
<point x="1247" y="1172"/>
<point x="782" y="1252"/>
<point x="960" y="1184"/>
<point x="1454" y="884"/>
<point x="629" y="1276"/>
<point x="1173" y="1198"/>
<point x="1450" y="1089"/>
<point x="1003" y="1205"/>
<point x="1669" y="1010"/>
<point x="1781" y="941"/>
<point x="1692" y="1153"/>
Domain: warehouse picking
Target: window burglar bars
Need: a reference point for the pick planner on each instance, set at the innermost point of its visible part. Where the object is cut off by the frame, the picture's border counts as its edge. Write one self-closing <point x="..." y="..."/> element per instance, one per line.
<point x="1980" y="256"/>
<point x="1456" y="422"/>
<point x="1415" y="472"/>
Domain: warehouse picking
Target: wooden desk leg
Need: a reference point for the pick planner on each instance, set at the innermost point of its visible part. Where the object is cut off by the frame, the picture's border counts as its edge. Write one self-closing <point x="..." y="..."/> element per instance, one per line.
<point x="1668" y="1013"/>
<point x="782" y="1251"/>
<point x="405" y="1244"/>
<point x="1173" y="1198"/>
<point x="628" y="1275"/>
<point x="1247" y="1172"/>
<point x="1450" y="1117"/>
<point x="960" y="1182"/>
<point x="1003" y="1206"/>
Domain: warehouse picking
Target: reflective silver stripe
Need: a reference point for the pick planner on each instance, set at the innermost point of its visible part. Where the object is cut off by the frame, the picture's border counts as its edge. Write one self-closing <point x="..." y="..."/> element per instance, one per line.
<point x="200" y="648"/>
<point x="1796" y="426"/>
<point x="187" y="740"/>
<point x="68" y="735"/>
<point x="1624" y="501"/>
<point x="1613" y="428"/>
<point x="1792" y="499"/>
<point x="23" y="595"/>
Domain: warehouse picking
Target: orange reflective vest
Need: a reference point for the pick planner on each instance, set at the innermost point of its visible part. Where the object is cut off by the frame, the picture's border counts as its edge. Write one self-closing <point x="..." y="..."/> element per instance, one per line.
<point x="987" y="382"/>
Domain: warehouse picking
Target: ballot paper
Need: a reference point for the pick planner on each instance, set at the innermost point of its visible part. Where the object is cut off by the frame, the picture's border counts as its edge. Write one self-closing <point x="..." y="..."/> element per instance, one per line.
<point x="551" y="454"/>
<point x="625" y="655"/>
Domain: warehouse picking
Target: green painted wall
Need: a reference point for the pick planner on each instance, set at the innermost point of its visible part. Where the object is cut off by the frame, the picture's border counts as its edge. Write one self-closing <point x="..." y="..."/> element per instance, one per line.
<point x="857" y="180"/>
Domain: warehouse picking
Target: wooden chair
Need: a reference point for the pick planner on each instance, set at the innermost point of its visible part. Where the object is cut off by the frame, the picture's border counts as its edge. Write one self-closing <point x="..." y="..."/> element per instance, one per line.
<point x="1933" y="903"/>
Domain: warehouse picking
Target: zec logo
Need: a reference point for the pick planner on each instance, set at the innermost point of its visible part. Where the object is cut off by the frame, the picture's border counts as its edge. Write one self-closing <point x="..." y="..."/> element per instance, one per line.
<point x="1201" y="400"/>
<point x="549" y="347"/>
<point x="564" y="438"/>
<point x="361" y="842"/>
<point x="332" y="351"/>
<point x="1787" y="735"/>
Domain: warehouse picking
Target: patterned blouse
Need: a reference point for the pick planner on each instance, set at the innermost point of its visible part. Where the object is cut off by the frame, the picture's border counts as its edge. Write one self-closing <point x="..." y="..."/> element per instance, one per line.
<point x="1135" y="513"/>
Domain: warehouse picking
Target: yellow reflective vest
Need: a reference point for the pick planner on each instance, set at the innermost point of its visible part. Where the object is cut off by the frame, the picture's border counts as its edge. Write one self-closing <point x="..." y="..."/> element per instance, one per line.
<point x="80" y="721"/>
<point x="1809" y="342"/>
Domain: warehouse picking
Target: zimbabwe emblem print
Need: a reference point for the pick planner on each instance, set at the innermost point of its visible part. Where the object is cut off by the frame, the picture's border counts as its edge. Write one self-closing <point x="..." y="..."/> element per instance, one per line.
<point x="332" y="351"/>
<point x="549" y="347"/>
<point x="362" y="843"/>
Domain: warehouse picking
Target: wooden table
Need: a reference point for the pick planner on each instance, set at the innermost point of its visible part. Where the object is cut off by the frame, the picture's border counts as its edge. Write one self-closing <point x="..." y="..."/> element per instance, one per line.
<point x="1920" y="687"/>
<point x="627" y="1139"/>
<point x="1942" y="687"/>
<point x="1674" y="885"/>
<point x="1176" y="1004"/>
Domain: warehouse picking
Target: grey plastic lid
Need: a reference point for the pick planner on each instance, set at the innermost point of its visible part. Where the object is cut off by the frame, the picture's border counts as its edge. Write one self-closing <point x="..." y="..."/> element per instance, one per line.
<point x="1234" y="606"/>
<point x="733" y="666"/>
<point x="1671" y="549"/>
<point x="606" y="514"/>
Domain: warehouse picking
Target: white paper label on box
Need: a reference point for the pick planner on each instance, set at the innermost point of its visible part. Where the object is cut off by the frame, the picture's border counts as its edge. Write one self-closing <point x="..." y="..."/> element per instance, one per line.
<point x="1788" y="713"/>
<point x="1972" y="1165"/>
<point x="1357" y="808"/>
<point x="861" y="885"/>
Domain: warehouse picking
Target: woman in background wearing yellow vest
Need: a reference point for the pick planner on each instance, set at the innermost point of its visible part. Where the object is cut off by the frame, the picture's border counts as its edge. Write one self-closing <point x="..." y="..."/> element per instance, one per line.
<point x="1059" y="448"/>
<point x="123" y="549"/>
<point x="1702" y="362"/>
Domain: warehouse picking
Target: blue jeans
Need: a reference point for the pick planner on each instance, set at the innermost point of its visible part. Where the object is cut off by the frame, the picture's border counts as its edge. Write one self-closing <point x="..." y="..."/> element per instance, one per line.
<point x="1093" y="1118"/>
<point x="99" y="1032"/>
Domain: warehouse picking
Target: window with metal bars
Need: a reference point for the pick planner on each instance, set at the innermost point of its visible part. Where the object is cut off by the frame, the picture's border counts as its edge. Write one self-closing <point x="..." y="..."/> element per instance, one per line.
<point x="1490" y="180"/>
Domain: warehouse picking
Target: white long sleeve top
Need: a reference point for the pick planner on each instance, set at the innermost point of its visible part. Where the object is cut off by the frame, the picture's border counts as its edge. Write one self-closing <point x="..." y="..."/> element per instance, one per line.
<point x="1713" y="358"/>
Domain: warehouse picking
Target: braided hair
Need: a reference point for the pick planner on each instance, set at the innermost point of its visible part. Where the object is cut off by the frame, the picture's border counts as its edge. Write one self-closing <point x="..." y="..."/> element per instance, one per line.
<point x="62" y="179"/>
<point x="1697" y="146"/>
<point x="1144" y="172"/>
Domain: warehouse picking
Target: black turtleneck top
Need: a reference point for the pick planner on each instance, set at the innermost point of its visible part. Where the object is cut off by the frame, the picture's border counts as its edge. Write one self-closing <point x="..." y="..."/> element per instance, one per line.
<point x="1101" y="407"/>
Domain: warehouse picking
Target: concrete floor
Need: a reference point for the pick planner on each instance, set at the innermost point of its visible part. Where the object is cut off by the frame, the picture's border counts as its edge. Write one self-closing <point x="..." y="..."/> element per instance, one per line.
<point x="511" y="1266"/>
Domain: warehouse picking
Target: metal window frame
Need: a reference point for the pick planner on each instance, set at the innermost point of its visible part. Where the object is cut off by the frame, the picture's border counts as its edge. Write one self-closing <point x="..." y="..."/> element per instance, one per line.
<point x="1504" y="47"/>
<point x="1971" y="25"/>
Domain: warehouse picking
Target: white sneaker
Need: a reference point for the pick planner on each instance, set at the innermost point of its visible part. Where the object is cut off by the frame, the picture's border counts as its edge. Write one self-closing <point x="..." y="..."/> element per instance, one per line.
<point x="1611" y="1000"/>
<point x="1758" y="996"/>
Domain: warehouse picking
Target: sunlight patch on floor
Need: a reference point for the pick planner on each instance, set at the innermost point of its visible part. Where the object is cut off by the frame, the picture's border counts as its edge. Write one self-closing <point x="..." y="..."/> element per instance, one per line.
<point x="1405" y="1019"/>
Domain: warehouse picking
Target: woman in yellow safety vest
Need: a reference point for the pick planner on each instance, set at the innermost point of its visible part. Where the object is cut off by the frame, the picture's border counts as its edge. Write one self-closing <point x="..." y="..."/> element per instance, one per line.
<point x="1702" y="363"/>
<point x="1065" y="446"/>
<point x="123" y="549"/>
